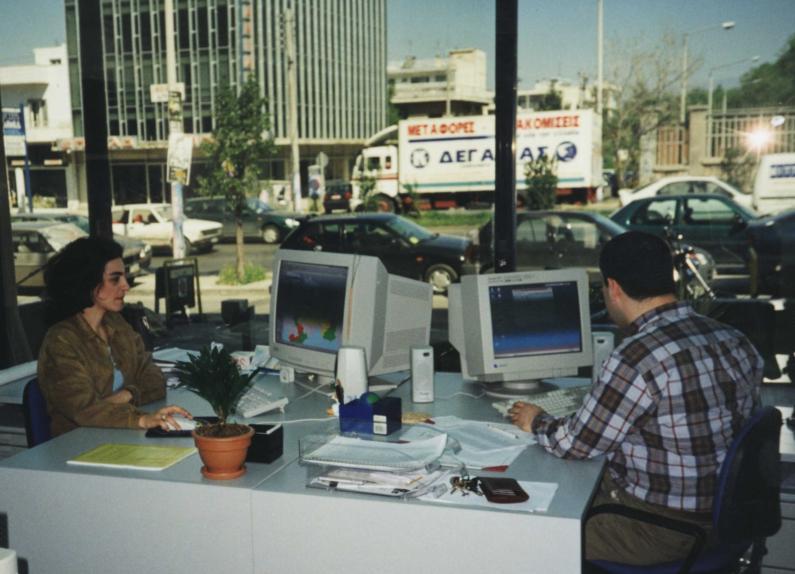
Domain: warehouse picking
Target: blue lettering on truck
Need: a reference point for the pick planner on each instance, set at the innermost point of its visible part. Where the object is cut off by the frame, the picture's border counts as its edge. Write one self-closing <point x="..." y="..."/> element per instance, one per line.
<point x="780" y="170"/>
<point x="565" y="151"/>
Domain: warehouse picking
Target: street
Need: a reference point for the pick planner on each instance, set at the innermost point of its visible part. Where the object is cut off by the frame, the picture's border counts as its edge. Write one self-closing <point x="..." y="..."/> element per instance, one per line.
<point x="223" y="254"/>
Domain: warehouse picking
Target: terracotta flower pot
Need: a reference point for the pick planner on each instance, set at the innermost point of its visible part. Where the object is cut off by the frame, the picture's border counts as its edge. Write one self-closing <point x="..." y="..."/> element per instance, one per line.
<point x="223" y="456"/>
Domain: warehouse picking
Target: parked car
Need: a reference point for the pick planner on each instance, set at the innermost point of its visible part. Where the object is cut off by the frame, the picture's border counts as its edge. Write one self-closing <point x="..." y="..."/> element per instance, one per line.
<point x="36" y="241"/>
<point x="129" y="244"/>
<point x="153" y="223"/>
<point x="552" y="240"/>
<point x="683" y="185"/>
<point x="773" y="239"/>
<point x="259" y="219"/>
<point x="337" y="196"/>
<point x="404" y="247"/>
<point x="709" y="221"/>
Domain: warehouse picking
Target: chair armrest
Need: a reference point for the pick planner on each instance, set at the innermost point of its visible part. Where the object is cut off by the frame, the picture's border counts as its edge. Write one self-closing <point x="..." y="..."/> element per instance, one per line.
<point x="688" y="528"/>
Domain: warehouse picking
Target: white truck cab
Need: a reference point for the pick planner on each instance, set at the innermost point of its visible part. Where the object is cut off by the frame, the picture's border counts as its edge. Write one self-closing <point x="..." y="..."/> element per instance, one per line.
<point x="774" y="184"/>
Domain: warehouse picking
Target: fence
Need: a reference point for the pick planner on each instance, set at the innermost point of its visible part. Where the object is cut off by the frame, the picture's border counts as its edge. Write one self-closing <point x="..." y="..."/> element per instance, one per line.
<point x="672" y="145"/>
<point x="736" y="129"/>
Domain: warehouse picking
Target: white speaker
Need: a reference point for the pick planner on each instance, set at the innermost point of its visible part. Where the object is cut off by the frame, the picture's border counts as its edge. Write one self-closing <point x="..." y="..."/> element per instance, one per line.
<point x="603" y="342"/>
<point x="352" y="372"/>
<point x="422" y="374"/>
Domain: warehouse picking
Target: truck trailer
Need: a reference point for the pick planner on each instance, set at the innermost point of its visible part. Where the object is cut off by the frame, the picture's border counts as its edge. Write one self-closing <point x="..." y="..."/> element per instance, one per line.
<point x="449" y="162"/>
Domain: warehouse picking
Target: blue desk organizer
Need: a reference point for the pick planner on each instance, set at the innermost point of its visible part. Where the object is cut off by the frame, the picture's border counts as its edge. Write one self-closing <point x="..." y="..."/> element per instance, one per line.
<point x="382" y="417"/>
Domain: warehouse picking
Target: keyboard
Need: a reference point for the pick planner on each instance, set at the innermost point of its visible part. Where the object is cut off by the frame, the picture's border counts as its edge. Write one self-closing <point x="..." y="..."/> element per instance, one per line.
<point x="558" y="403"/>
<point x="257" y="400"/>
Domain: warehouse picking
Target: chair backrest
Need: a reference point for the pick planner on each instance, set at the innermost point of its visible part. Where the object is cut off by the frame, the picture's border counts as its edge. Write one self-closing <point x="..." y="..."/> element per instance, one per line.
<point x="37" y="421"/>
<point x="747" y="498"/>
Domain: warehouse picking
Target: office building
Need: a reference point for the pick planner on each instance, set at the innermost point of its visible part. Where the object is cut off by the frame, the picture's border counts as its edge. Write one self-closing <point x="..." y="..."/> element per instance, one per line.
<point x="42" y="89"/>
<point x="341" y="65"/>
<point x="434" y="87"/>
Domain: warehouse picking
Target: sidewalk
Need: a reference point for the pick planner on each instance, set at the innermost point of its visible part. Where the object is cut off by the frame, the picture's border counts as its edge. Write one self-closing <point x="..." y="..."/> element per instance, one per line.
<point x="212" y="294"/>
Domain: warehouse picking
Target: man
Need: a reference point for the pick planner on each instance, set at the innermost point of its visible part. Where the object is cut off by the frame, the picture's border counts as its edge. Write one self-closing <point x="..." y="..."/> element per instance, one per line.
<point x="663" y="411"/>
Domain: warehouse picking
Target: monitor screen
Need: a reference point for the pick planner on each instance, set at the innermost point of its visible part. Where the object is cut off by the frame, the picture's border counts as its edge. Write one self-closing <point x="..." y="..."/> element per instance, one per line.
<point x="512" y="330"/>
<point x="535" y="319"/>
<point x="311" y="305"/>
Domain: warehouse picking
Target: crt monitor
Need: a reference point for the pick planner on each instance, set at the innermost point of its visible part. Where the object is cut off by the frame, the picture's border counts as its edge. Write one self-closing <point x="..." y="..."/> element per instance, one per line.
<point x="323" y="301"/>
<point x="514" y="329"/>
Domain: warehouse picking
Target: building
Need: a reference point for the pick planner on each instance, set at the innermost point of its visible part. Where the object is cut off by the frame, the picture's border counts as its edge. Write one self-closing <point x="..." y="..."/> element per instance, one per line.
<point x="341" y="65"/>
<point x="435" y="87"/>
<point x="42" y="89"/>
<point x="573" y="96"/>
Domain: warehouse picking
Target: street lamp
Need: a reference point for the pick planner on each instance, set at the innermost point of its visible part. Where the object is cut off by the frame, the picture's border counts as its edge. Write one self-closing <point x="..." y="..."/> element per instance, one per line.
<point x="728" y="25"/>
<point x="709" y="93"/>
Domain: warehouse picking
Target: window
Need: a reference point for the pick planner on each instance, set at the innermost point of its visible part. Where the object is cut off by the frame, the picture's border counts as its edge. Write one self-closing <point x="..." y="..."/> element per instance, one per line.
<point x="656" y="213"/>
<point x="532" y="230"/>
<point x="714" y="188"/>
<point x="38" y="112"/>
<point x="707" y="212"/>
<point x="677" y="188"/>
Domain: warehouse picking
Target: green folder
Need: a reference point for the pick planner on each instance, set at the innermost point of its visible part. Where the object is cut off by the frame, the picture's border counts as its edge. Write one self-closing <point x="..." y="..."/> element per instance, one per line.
<point x="133" y="456"/>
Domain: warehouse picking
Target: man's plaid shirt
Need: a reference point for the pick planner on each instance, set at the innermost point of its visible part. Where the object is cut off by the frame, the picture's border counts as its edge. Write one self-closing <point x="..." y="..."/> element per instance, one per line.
<point x="665" y="408"/>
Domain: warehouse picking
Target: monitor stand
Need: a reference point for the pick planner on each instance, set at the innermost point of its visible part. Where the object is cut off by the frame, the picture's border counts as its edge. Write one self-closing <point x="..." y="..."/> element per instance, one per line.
<point x="512" y="390"/>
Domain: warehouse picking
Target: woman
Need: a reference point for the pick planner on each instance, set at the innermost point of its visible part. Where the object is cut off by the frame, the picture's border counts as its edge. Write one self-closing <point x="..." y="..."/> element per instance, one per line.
<point x="93" y="369"/>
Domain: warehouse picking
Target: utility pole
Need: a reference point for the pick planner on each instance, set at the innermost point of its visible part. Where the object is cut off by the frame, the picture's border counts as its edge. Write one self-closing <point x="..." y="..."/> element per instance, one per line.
<point x="600" y="43"/>
<point x="174" y="127"/>
<point x="292" y="107"/>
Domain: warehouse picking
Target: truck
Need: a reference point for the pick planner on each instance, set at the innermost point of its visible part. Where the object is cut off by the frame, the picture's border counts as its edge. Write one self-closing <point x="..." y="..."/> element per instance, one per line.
<point x="449" y="162"/>
<point x="774" y="184"/>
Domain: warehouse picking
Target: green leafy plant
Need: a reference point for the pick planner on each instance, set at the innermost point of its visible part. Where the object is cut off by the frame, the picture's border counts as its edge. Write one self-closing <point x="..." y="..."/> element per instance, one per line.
<point x="541" y="183"/>
<point x="214" y="376"/>
<point x="736" y="168"/>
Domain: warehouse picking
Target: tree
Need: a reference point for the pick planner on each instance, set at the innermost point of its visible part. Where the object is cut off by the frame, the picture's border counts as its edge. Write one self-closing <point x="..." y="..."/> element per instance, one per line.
<point x="240" y="144"/>
<point x="551" y="100"/>
<point x="768" y="84"/>
<point x="647" y="78"/>
<point x="541" y="183"/>
<point x="736" y="168"/>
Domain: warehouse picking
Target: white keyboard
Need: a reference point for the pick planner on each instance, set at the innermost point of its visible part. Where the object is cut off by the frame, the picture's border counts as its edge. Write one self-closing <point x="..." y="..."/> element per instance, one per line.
<point x="558" y="403"/>
<point x="257" y="400"/>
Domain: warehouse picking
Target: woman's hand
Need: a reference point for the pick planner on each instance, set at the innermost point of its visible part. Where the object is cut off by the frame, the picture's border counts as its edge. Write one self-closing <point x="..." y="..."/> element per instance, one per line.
<point x="122" y="396"/>
<point x="522" y="414"/>
<point x="163" y="418"/>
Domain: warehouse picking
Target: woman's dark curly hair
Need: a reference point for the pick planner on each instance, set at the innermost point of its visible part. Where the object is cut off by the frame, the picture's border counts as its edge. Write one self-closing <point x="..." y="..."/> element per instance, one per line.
<point x="72" y="275"/>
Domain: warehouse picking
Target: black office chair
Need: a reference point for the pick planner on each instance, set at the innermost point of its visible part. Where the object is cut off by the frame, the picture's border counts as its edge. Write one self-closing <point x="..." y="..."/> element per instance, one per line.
<point x="746" y="509"/>
<point x="37" y="421"/>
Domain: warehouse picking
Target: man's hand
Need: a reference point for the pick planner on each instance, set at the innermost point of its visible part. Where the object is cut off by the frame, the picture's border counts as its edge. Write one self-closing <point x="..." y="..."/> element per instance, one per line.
<point x="522" y="414"/>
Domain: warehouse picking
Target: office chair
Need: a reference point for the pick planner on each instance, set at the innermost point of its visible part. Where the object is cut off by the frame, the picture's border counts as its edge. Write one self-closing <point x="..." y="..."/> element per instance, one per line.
<point x="37" y="421"/>
<point x="745" y="511"/>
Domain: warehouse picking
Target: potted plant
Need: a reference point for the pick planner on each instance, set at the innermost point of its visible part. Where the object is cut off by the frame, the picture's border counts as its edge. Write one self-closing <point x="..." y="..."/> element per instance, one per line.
<point x="215" y="376"/>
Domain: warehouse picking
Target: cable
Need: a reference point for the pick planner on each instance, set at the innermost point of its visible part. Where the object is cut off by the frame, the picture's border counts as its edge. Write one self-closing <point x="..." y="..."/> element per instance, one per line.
<point x="463" y="394"/>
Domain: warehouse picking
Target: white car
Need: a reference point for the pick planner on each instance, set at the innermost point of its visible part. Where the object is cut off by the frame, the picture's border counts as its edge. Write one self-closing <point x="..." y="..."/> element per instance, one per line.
<point x="153" y="223"/>
<point x="682" y="185"/>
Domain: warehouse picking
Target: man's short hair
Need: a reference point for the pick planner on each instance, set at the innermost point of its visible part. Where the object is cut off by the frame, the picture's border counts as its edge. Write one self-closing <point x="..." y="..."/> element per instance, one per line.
<point x="641" y="263"/>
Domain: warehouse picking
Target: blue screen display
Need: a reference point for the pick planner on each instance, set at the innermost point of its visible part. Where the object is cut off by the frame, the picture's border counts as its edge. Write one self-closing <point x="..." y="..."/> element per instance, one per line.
<point x="535" y="319"/>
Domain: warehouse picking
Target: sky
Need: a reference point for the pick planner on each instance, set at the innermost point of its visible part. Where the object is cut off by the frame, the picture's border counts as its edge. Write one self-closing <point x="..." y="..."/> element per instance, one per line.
<point x="556" y="38"/>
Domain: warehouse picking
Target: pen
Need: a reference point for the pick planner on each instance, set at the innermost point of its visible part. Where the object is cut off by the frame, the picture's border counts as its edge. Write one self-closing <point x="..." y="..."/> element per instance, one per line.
<point x="503" y="431"/>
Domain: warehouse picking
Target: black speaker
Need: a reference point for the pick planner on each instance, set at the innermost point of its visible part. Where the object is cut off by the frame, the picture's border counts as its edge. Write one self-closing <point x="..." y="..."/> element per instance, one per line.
<point x="234" y="311"/>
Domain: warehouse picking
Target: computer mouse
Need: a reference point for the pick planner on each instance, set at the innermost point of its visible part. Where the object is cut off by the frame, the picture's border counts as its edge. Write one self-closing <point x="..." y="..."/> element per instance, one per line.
<point x="184" y="422"/>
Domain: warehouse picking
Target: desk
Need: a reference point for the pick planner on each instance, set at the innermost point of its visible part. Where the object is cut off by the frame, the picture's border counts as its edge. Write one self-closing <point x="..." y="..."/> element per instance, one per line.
<point x="79" y="519"/>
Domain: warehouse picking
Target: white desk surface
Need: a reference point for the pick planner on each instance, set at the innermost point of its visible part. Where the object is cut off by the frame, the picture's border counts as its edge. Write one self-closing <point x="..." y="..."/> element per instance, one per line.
<point x="80" y="519"/>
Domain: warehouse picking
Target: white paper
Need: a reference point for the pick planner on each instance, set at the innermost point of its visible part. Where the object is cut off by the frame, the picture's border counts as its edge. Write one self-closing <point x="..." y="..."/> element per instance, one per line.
<point x="378" y="455"/>
<point x="540" y="497"/>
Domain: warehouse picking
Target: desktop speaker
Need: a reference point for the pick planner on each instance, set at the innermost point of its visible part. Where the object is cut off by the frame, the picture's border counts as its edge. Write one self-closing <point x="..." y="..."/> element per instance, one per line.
<point x="422" y="374"/>
<point x="234" y="311"/>
<point x="352" y="372"/>
<point x="603" y="342"/>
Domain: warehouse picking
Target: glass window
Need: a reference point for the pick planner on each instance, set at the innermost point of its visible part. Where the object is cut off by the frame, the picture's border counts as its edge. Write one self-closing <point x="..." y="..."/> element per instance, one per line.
<point x="532" y="230"/>
<point x="408" y="230"/>
<point x="710" y="187"/>
<point x="657" y="213"/>
<point x="677" y="188"/>
<point x="707" y="212"/>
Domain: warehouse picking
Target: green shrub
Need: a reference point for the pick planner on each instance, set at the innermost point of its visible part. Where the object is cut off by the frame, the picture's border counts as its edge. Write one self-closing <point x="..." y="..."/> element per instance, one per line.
<point x="251" y="273"/>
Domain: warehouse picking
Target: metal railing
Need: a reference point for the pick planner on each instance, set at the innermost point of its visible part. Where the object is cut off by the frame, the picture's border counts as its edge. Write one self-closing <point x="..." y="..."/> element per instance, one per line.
<point x="731" y="129"/>
<point x="672" y="146"/>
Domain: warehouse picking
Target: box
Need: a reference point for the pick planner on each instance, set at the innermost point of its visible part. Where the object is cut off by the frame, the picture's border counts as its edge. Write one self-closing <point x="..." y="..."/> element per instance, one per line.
<point x="382" y="417"/>
<point x="267" y="444"/>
